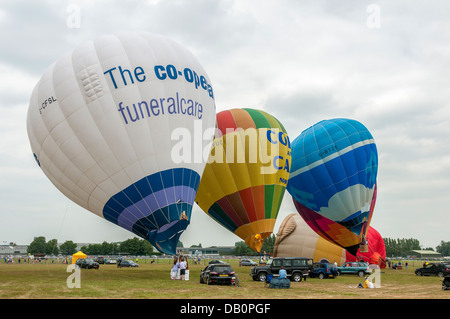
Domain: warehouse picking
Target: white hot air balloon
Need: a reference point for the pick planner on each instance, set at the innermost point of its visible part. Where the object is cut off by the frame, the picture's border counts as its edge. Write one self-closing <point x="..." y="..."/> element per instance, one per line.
<point x="101" y="125"/>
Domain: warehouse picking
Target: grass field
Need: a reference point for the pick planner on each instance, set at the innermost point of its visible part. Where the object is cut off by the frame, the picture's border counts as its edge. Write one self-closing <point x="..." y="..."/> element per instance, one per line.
<point x="152" y="281"/>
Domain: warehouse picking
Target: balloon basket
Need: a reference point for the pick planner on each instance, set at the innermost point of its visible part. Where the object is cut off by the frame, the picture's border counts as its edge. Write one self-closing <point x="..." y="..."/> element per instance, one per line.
<point x="363" y="248"/>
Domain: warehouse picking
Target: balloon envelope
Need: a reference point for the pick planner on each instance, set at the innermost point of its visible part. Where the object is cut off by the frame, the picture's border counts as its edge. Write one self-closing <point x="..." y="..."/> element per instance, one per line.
<point x="333" y="175"/>
<point x="101" y="122"/>
<point x="245" y="179"/>
<point x="333" y="231"/>
<point x="377" y="250"/>
<point x="296" y="238"/>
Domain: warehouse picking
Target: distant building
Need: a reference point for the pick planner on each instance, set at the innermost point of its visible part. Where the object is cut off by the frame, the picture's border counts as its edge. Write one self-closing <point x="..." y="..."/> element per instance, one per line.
<point x="425" y="254"/>
<point x="13" y="249"/>
<point x="208" y="251"/>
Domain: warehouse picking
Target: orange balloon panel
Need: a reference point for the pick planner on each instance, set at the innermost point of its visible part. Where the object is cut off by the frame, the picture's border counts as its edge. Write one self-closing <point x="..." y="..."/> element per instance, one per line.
<point x="246" y="175"/>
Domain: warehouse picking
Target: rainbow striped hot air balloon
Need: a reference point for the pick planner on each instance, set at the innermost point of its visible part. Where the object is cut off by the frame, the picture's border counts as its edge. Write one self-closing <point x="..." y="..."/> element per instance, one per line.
<point x="246" y="175"/>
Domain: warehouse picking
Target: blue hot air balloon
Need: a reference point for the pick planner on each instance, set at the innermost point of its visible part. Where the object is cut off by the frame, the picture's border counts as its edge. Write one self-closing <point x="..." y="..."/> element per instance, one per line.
<point x="334" y="172"/>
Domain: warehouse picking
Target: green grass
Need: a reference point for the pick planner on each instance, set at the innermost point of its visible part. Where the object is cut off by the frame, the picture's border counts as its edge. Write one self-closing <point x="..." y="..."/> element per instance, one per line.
<point x="152" y="281"/>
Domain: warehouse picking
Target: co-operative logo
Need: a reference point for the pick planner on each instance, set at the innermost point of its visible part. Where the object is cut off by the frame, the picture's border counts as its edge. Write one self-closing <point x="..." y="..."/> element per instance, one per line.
<point x="121" y="76"/>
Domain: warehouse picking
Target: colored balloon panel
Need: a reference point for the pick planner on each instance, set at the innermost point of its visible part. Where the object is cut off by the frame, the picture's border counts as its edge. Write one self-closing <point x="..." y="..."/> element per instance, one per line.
<point x="296" y="238"/>
<point x="332" y="231"/>
<point x="334" y="172"/>
<point x="245" y="179"/>
<point x="376" y="253"/>
<point x="328" y="229"/>
<point x="100" y="124"/>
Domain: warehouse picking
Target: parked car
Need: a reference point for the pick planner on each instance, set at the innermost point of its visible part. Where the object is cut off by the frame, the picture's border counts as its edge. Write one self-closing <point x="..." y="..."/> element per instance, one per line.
<point x="354" y="267"/>
<point x="434" y="269"/>
<point x="100" y="260"/>
<point x="220" y="273"/>
<point x="216" y="261"/>
<point x="87" y="263"/>
<point x="127" y="263"/>
<point x="248" y="262"/>
<point x="297" y="268"/>
<point x="323" y="270"/>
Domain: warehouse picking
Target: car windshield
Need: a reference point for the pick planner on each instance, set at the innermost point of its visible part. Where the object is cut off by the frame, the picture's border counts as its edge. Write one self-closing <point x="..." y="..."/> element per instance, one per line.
<point x="269" y="262"/>
<point x="223" y="269"/>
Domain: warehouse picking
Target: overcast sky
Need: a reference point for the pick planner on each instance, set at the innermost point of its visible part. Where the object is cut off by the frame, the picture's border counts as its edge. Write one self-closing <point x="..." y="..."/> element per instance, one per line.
<point x="383" y="63"/>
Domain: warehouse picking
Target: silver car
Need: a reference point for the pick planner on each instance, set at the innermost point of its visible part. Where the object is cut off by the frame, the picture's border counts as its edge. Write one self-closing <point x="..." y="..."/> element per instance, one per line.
<point x="248" y="262"/>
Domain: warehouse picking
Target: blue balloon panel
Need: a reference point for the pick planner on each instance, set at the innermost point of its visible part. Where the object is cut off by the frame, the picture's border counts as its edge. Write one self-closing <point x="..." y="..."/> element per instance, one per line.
<point x="157" y="207"/>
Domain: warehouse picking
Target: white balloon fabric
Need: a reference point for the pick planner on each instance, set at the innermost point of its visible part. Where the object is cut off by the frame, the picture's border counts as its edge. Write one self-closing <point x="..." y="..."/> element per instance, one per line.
<point x="101" y="125"/>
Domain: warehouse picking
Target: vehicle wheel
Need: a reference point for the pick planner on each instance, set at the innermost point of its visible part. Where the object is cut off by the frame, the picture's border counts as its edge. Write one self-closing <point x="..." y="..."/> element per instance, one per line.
<point x="321" y="275"/>
<point x="208" y="281"/>
<point x="440" y="274"/>
<point x="419" y="273"/>
<point x="338" y="272"/>
<point x="361" y="273"/>
<point x="297" y="277"/>
<point x="262" y="276"/>
<point x="201" y="280"/>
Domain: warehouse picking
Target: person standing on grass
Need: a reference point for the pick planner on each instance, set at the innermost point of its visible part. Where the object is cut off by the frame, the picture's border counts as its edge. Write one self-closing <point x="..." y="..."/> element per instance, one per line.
<point x="183" y="266"/>
<point x="174" y="271"/>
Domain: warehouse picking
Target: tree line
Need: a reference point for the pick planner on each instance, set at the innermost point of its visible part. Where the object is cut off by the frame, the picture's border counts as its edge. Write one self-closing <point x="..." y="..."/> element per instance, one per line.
<point x="402" y="247"/>
<point x="133" y="246"/>
<point x="140" y="247"/>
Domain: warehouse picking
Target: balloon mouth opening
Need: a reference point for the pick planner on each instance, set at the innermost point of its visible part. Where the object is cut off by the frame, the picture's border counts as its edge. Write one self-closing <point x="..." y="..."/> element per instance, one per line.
<point x="255" y="242"/>
<point x="166" y="239"/>
<point x="352" y="249"/>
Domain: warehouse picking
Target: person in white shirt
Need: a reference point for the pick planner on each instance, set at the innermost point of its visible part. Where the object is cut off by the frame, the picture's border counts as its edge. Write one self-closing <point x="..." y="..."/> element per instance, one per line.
<point x="183" y="266"/>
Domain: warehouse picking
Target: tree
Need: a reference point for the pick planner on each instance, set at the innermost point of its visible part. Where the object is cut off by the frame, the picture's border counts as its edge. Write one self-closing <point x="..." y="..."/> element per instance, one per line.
<point x="93" y="249"/>
<point x="68" y="248"/>
<point x="51" y="247"/>
<point x="400" y="247"/>
<point x="242" y="249"/>
<point x="444" y="248"/>
<point x="136" y="246"/>
<point x="268" y="244"/>
<point x="37" y="246"/>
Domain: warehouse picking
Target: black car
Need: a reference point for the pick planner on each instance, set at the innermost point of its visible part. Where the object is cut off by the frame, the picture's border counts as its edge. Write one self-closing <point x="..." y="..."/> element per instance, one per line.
<point x="219" y="273"/>
<point x="217" y="261"/>
<point x="297" y="268"/>
<point x="323" y="270"/>
<point x="87" y="263"/>
<point x="434" y="269"/>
